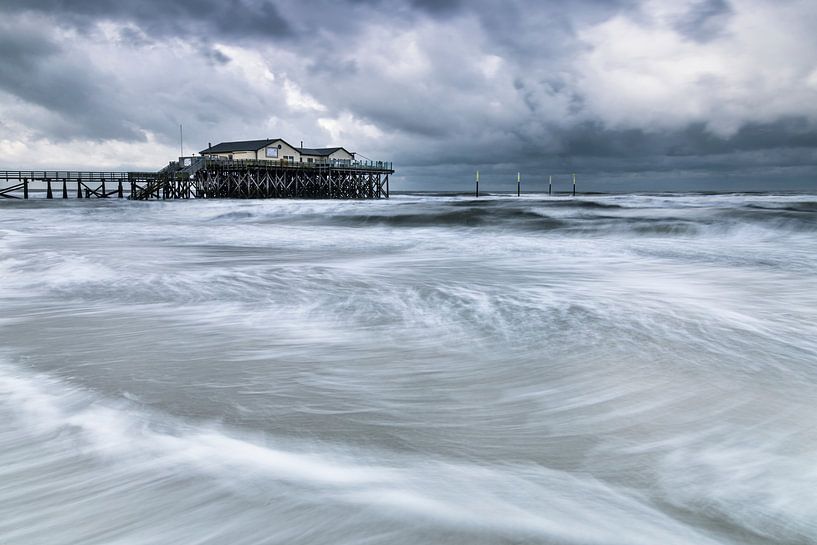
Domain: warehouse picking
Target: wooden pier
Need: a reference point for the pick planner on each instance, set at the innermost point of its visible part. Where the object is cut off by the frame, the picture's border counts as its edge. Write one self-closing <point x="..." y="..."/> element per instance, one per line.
<point x="200" y="178"/>
<point x="16" y="184"/>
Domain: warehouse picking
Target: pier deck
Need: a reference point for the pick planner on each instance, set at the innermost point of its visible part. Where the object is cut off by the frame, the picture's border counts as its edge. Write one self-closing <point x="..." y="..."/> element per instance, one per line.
<point x="200" y="178"/>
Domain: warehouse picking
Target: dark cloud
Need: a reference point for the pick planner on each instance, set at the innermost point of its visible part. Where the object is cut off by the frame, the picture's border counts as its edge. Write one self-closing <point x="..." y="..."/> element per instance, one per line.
<point x="237" y="19"/>
<point x="440" y="87"/>
<point x="705" y="20"/>
<point x="694" y="140"/>
<point x="134" y="37"/>
<point x="39" y="72"/>
<point x="214" y="55"/>
<point x="438" y="7"/>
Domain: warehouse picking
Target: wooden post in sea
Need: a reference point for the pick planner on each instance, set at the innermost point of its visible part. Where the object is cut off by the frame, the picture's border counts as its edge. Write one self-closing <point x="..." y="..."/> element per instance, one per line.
<point x="104" y="193"/>
<point x="49" y="194"/>
<point x="79" y="189"/>
<point x="550" y="184"/>
<point x="25" y="188"/>
<point x="476" y="194"/>
<point x="518" y="184"/>
<point x="64" y="189"/>
<point x="120" y="192"/>
<point x="574" y="185"/>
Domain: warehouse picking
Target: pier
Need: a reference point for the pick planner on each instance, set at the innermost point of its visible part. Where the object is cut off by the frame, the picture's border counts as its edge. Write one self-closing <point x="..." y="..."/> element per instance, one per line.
<point x="210" y="178"/>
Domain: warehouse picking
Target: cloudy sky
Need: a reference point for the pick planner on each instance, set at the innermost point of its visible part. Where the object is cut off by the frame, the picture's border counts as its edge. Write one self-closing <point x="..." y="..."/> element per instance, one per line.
<point x="664" y="94"/>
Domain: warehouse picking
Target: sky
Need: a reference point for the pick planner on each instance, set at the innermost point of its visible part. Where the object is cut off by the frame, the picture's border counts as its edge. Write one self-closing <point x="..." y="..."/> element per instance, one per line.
<point x="628" y="94"/>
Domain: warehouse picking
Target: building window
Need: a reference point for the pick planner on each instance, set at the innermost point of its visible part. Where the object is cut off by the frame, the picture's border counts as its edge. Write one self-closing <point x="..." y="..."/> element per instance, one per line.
<point x="272" y="153"/>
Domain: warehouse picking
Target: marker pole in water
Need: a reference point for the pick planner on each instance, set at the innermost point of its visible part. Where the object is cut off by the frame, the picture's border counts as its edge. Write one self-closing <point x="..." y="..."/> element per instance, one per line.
<point x="518" y="184"/>
<point x="476" y="194"/>
<point x="550" y="185"/>
<point x="574" y="185"/>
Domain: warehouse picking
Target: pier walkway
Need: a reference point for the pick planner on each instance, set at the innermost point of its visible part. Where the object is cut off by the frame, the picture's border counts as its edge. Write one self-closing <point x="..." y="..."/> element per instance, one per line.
<point x="202" y="178"/>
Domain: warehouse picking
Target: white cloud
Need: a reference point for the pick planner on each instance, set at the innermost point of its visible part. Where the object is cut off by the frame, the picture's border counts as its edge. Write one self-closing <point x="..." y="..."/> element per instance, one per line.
<point x="347" y="130"/>
<point x="298" y="100"/>
<point x="106" y="155"/>
<point x="642" y="73"/>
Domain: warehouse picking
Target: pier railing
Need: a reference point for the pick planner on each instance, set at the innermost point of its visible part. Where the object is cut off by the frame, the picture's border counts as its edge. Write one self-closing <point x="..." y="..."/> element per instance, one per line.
<point x="329" y="163"/>
<point x="58" y="175"/>
<point x="210" y="178"/>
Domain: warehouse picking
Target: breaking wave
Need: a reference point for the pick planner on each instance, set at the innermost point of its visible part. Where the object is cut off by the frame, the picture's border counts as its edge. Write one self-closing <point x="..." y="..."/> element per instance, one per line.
<point x="428" y="369"/>
<point x="558" y="215"/>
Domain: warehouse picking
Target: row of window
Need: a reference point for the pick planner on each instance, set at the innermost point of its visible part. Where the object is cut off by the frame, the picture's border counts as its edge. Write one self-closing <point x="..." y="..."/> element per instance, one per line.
<point x="291" y="159"/>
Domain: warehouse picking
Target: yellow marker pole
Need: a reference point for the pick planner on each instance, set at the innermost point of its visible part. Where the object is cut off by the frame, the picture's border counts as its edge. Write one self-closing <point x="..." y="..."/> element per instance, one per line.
<point x="477" y="191"/>
<point x="574" y="185"/>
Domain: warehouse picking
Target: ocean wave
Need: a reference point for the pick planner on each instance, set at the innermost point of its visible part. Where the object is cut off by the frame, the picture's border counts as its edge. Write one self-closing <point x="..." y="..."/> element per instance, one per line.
<point x="515" y="502"/>
<point x="563" y="216"/>
<point x="423" y="369"/>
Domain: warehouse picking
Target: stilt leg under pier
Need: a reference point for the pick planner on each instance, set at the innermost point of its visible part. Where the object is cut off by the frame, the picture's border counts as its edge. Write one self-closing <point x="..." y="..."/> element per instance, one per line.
<point x="64" y="189"/>
<point x="119" y="192"/>
<point x="25" y="188"/>
<point x="79" y="189"/>
<point x="49" y="194"/>
<point x="240" y="182"/>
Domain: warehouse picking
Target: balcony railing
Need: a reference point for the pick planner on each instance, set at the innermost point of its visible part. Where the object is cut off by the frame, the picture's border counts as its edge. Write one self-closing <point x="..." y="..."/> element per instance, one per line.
<point x="324" y="163"/>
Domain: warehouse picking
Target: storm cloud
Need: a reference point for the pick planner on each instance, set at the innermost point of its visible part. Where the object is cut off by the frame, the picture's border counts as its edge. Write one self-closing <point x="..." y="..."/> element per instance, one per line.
<point x="609" y="89"/>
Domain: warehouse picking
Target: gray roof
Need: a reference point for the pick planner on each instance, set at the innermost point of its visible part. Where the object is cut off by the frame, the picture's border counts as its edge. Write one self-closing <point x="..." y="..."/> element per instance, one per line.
<point x="244" y="145"/>
<point x="322" y="152"/>
<point x="254" y="145"/>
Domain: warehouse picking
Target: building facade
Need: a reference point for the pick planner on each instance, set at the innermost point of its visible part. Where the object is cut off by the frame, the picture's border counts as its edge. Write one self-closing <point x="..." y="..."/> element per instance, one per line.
<point x="277" y="149"/>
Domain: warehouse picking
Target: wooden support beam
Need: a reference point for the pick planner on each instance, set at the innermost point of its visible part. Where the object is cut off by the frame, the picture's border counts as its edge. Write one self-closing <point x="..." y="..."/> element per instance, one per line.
<point x="225" y="180"/>
<point x="7" y="192"/>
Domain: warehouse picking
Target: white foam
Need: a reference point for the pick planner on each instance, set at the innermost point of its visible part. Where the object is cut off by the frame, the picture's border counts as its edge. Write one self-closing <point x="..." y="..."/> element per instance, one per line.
<point x="115" y="429"/>
<point x="510" y="500"/>
<point x="755" y="485"/>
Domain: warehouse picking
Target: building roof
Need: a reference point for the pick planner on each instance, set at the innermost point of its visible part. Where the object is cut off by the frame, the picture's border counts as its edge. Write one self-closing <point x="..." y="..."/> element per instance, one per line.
<point x="255" y="145"/>
<point x="322" y="152"/>
<point x="244" y="145"/>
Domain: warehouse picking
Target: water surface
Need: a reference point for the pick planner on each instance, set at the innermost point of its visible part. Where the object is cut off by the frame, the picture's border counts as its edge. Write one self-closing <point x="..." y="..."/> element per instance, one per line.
<point x="631" y="369"/>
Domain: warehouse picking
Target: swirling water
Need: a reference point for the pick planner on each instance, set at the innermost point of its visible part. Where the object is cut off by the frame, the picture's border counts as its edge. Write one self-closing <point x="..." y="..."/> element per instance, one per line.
<point x="631" y="369"/>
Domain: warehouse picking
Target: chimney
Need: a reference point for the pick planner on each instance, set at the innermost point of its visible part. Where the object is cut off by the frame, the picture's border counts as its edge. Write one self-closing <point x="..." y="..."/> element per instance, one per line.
<point x="209" y="145"/>
<point x="302" y="144"/>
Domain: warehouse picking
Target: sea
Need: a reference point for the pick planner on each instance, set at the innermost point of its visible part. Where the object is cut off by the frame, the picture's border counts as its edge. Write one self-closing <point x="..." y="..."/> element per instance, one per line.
<point x="632" y="369"/>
